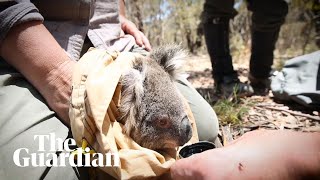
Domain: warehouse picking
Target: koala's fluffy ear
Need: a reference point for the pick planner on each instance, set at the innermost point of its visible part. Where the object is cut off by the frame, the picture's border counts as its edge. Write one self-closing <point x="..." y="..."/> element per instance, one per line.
<point x="170" y="57"/>
<point x="132" y="92"/>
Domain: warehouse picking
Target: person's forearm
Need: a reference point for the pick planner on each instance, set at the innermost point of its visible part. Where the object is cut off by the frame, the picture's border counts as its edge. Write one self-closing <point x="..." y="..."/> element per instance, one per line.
<point x="31" y="49"/>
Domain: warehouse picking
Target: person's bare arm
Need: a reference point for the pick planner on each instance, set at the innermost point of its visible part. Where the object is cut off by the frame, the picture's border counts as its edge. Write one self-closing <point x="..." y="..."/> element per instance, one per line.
<point x="257" y="155"/>
<point x="31" y="49"/>
<point x="130" y="28"/>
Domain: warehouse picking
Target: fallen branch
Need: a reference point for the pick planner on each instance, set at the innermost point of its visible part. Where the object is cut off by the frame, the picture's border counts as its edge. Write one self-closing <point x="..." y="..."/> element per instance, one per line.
<point x="292" y="112"/>
<point x="226" y="134"/>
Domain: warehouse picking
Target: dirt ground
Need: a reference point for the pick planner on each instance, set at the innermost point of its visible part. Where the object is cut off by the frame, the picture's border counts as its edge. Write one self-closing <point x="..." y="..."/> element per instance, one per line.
<point x="265" y="113"/>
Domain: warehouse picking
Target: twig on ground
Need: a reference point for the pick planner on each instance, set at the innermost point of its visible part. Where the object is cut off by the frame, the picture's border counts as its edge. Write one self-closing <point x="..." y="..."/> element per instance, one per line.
<point x="291" y="112"/>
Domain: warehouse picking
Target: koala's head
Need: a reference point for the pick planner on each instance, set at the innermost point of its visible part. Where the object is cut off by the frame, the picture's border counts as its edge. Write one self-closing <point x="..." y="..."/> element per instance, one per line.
<point x="152" y="108"/>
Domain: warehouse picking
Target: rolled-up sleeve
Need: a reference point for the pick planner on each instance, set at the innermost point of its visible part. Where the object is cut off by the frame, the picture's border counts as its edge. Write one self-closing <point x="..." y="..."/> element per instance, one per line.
<point x="13" y="13"/>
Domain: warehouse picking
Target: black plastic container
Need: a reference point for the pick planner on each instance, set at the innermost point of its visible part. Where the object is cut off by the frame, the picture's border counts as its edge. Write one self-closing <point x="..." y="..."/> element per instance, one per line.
<point x="195" y="148"/>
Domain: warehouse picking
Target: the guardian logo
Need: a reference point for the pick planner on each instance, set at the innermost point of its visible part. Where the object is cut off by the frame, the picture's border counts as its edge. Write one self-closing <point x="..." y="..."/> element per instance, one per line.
<point x="72" y="156"/>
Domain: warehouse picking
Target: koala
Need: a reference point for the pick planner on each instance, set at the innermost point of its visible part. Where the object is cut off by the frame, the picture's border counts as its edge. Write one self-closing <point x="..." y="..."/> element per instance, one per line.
<point x="151" y="107"/>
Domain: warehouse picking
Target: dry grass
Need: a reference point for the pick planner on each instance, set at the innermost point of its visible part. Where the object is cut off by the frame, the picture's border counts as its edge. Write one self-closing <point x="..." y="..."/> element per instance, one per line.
<point x="230" y="112"/>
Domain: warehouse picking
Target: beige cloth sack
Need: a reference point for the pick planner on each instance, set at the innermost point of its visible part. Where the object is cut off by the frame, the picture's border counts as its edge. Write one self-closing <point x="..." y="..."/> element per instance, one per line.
<point x="94" y="111"/>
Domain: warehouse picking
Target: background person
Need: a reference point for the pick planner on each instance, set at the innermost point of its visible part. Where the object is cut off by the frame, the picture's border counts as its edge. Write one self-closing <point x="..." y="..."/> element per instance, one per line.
<point x="267" y="18"/>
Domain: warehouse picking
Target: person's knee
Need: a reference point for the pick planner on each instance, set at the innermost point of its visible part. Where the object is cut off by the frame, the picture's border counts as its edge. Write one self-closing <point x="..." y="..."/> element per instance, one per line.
<point x="268" y="15"/>
<point x="207" y="125"/>
<point x="217" y="9"/>
<point x="205" y="117"/>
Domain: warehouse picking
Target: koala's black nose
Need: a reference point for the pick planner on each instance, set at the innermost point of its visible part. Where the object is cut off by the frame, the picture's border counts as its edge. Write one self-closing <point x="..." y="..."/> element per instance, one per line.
<point x="186" y="131"/>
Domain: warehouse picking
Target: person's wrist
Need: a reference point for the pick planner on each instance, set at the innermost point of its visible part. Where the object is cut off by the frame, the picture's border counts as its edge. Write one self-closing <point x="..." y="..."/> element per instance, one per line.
<point x="58" y="90"/>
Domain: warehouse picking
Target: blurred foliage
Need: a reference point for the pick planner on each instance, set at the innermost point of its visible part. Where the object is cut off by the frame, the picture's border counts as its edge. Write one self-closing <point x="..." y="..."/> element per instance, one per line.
<point x="168" y="21"/>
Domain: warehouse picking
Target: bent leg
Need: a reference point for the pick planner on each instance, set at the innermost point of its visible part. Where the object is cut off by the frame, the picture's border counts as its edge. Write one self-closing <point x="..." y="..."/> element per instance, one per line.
<point x="24" y="115"/>
<point x="206" y="119"/>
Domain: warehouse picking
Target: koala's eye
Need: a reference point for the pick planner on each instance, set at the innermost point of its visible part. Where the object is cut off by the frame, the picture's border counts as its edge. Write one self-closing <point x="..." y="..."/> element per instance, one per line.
<point x="163" y="123"/>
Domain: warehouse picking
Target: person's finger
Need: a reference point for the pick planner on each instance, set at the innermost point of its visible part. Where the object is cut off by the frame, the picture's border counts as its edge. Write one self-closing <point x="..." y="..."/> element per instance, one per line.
<point x="131" y="28"/>
<point x="137" y="36"/>
<point x="140" y="38"/>
<point x="146" y="42"/>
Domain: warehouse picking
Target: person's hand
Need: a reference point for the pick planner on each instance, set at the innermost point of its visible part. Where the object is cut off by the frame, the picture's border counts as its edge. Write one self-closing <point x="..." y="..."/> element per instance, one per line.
<point x="130" y="28"/>
<point x="256" y="155"/>
<point x="31" y="49"/>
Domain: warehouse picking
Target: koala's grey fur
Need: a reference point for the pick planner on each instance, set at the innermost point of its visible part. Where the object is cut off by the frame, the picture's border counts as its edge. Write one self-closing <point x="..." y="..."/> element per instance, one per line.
<point x="151" y="106"/>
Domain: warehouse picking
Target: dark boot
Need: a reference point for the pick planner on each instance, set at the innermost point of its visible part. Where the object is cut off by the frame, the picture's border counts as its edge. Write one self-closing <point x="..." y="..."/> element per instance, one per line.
<point x="261" y="86"/>
<point x="231" y="86"/>
<point x="216" y="33"/>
